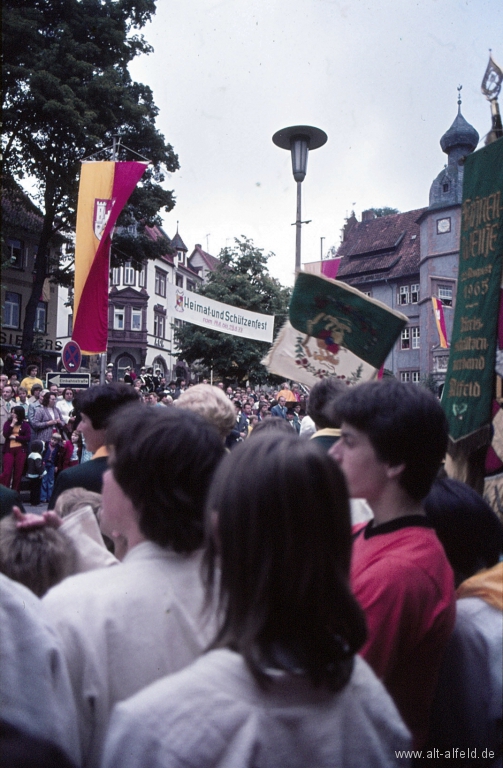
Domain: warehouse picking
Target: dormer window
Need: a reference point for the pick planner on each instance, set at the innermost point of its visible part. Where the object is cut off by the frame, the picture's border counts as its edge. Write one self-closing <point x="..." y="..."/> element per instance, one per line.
<point x="181" y="257"/>
<point x="445" y="187"/>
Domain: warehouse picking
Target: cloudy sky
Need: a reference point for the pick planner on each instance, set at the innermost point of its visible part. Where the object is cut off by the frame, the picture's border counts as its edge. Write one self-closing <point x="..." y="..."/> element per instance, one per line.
<point x="379" y="77"/>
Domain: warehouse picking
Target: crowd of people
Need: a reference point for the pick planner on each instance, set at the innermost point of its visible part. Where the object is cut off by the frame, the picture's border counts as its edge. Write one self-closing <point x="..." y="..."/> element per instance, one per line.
<point x="248" y="578"/>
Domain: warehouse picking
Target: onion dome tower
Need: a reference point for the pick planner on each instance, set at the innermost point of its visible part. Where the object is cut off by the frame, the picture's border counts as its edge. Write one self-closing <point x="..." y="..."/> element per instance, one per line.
<point x="458" y="142"/>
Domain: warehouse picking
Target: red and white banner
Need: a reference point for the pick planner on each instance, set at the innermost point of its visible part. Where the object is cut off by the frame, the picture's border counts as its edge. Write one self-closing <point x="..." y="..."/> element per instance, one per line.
<point x="103" y="192"/>
<point x="438" y="310"/>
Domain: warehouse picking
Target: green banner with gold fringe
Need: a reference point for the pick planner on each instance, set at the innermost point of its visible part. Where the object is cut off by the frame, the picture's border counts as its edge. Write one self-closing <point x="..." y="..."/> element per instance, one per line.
<point x="469" y="384"/>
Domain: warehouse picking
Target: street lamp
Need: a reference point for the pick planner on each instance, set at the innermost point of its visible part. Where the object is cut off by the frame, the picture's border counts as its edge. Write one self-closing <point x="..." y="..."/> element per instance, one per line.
<point x="299" y="139"/>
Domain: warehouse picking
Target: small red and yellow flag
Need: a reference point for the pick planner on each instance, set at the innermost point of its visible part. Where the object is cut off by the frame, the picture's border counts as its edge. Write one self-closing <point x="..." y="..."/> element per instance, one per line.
<point x="103" y="192"/>
<point x="438" y="311"/>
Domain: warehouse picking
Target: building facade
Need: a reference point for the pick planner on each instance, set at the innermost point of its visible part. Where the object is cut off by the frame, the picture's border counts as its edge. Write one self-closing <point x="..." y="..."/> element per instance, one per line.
<point x="405" y="259"/>
<point x="140" y="323"/>
<point x="21" y="229"/>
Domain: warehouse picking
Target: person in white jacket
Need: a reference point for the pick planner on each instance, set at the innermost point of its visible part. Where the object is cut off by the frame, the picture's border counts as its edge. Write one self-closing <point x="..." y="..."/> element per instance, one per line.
<point x="126" y="626"/>
<point x="281" y="685"/>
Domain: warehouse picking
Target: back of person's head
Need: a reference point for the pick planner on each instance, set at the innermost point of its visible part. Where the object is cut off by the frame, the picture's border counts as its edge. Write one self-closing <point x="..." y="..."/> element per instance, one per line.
<point x="37" y="446"/>
<point x="470" y="532"/>
<point x="164" y="459"/>
<point x="283" y="543"/>
<point x="405" y="424"/>
<point x="211" y="403"/>
<point x="39" y="558"/>
<point x="75" y="498"/>
<point x="322" y="398"/>
<point x="99" y="403"/>
<point x="271" y="424"/>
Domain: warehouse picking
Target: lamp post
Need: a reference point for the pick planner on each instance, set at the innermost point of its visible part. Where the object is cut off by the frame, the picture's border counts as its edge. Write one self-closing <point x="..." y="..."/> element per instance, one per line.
<point x="299" y="139"/>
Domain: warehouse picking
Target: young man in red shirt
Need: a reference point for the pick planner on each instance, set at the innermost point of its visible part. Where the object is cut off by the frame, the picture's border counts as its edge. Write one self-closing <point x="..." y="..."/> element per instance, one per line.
<point x="393" y="440"/>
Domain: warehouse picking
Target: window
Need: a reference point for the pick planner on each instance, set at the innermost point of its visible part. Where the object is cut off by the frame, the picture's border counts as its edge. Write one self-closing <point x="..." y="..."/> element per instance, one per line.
<point x="40" y="317"/>
<point x="15" y="252"/>
<point x="12" y="310"/>
<point x="160" y="282"/>
<point x="191" y="286"/>
<point x="159" y="326"/>
<point x="414" y="293"/>
<point x="445" y="295"/>
<point x="404" y="294"/>
<point x="129" y="275"/>
<point x="119" y="318"/>
<point x="405" y="338"/>
<point x="70" y="325"/>
<point x="136" y="324"/>
<point x="181" y="257"/>
<point x="116" y="276"/>
<point x="179" y="281"/>
<point x="142" y="277"/>
<point x="415" y="337"/>
<point x="405" y="377"/>
<point x="415" y="377"/>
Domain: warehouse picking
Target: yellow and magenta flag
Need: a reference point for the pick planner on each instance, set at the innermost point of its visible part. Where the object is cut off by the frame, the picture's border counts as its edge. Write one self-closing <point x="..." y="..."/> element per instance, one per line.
<point x="103" y="192"/>
<point x="438" y="310"/>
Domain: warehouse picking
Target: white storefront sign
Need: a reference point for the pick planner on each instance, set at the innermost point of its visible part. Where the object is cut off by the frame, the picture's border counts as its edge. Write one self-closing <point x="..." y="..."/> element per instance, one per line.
<point x="197" y="309"/>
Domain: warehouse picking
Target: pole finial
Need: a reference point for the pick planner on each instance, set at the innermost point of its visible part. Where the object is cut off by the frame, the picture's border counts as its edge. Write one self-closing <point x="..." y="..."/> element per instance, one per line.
<point x="459" y="97"/>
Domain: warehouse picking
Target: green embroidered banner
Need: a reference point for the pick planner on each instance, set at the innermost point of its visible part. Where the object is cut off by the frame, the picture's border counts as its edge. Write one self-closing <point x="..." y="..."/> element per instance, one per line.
<point x="469" y="384"/>
<point x="342" y="316"/>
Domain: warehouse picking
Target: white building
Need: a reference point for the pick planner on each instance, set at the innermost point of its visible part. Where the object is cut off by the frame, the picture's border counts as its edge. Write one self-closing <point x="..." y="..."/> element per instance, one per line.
<point x="140" y="324"/>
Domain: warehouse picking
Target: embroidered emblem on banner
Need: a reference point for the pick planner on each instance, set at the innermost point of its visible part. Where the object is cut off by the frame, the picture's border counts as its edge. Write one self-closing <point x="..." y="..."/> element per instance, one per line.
<point x="102" y="210"/>
<point x="179" y="301"/>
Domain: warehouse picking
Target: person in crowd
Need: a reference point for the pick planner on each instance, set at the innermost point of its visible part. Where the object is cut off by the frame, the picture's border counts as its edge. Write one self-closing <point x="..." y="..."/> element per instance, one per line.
<point x="129" y="375"/>
<point x="109" y="376"/>
<point x="47" y="418"/>
<point x="240" y="429"/>
<point x="393" y="440"/>
<point x="22" y="399"/>
<point x="287" y="393"/>
<point x="210" y="403"/>
<point x="35" y="471"/>
<point x="65" y="405"/>
<point x="31" y="378"/>
<point x="264" y="411"/>
<point x="38" y="557"/>
<point x="280" y="408"/>
<point x="6" y="404"/>
<point x="34" y="401"/>
<point x="51" y="458"/>
<point x="96" y="405"/>
<point x="467" y="710"/>
<point x="124" y="627"/>
<point x="14" y="363"/>
<point x="322" y="399"/>
<point x="281" y="683"/>
<point x="290" y="419"/>
<point x="17" y="434"/>
<point x="35" y="693"/>
<point x="77" y="448"/>
<point x="272" y="424"/>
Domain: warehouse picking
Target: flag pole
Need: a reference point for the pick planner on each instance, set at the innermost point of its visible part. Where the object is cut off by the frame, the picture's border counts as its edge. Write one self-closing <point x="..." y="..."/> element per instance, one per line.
<point x="103" y="356"/>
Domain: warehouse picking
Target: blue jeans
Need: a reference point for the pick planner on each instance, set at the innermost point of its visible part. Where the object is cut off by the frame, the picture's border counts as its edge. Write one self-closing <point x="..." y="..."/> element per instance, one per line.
<point x="47" y="483"/>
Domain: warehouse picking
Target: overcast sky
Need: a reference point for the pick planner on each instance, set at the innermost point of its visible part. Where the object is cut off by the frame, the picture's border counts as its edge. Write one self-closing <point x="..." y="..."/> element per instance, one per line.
<point x="379" y="77"/>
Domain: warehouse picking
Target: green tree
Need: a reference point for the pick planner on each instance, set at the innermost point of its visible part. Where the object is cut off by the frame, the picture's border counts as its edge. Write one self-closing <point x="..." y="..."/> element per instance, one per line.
<point x="386" y="211"/>
<point x="66" y="92"/>
<point x="242" y="280"/>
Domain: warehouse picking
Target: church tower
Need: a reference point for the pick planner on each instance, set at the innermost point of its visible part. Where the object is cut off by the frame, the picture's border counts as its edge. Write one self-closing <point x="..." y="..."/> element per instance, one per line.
<point x="440" y="234"/>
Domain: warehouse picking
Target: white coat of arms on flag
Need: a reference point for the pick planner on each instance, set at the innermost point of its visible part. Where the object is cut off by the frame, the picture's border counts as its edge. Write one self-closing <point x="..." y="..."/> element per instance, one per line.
<point x="102" y="210"/>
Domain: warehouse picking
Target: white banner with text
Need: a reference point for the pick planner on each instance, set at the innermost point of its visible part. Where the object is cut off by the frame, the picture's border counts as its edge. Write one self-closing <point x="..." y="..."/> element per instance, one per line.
<point x="208" y="313"/>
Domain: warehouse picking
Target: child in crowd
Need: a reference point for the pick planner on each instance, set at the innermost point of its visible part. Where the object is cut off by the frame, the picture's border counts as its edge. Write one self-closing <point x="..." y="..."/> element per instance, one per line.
<point x="35" y="471"/>
<point x="51" y="458"/>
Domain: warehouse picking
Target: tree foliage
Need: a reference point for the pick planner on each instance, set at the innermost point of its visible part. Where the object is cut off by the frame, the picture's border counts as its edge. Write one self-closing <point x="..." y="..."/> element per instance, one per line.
<point x="385" y="211"/>
<point x="66" y="92"/>
<point x="242" y="280"/>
